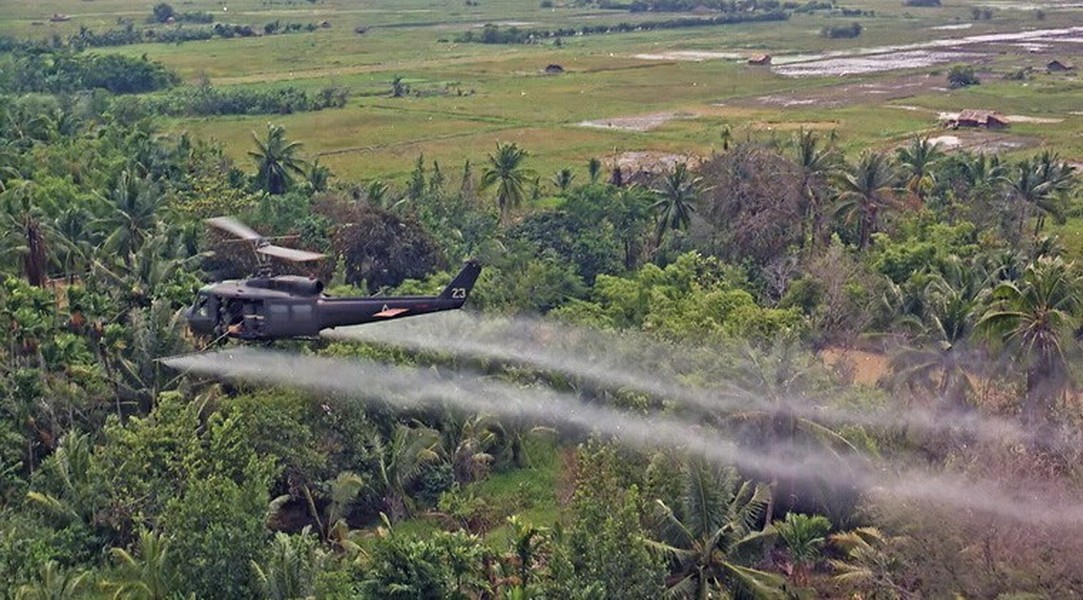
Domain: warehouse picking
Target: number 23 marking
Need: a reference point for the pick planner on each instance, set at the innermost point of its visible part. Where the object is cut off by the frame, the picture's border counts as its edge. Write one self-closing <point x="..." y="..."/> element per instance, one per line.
<point x="458" y="293"/>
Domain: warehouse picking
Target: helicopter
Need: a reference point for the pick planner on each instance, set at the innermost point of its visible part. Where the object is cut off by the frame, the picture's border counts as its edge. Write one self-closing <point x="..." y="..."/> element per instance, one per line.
<point x="267" y="308"/>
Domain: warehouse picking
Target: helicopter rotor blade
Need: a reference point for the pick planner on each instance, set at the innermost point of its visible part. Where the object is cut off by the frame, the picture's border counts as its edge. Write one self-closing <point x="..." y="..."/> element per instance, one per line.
<point x="289" y="253"/>
<point x="235" y="227"/>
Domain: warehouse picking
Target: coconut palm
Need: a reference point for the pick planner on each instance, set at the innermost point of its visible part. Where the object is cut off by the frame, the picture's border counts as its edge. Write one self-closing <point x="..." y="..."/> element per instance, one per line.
<point x="818" y="163"/>
<point x="54" y="584"/>
<point x="468" y="443"/>
<point x="803" y="535"/>
<point x="563" y="179"/>
<point x="780" y="385"/>
<point x="132" y="215"/>
<point x="1037" y="186"/>
<point x="710" y="532"/>
<point x="866" y="192"/>
<point x="676" y="200"/>
<point x="291" y="567"/>
<point x="146" y="574"/>
<point x="24" y="232"/>
<point x="869" y="562"/>
<point x="276" y="161"/>
<point x="1036" y="317"/>
<point x="506" y="171"/>
<point x="594" y="169"/>
<point x="918" y="161"/>
<point x="401" y="460"/>
<point x="939" y="353"/>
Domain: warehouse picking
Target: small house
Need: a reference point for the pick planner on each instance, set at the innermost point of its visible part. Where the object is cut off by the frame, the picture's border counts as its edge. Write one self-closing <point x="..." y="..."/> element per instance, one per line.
<point x="1058" y="66"/>
<point x="979" y="118"/>
<point x="554" y="69"/>
<point x="759" y="59"/>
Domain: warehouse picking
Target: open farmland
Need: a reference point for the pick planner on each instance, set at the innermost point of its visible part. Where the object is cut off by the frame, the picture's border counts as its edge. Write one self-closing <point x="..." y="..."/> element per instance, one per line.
<point x="466" y="96"/>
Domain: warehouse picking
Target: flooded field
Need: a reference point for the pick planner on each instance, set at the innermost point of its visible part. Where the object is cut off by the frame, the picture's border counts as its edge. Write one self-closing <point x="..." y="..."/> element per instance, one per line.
<point x="856" y="65"/>
<point x="922" y="54"/>
<point x="851" y="93"/>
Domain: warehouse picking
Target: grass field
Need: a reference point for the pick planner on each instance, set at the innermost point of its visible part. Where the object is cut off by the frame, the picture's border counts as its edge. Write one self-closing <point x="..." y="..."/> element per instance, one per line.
<point x="474" y="95"/>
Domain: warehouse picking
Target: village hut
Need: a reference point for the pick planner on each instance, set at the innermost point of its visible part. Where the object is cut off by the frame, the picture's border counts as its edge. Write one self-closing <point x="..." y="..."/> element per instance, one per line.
<point x="759" y="59"/>
<point x="1058" y="66"/>
<point x="978" y="118"/>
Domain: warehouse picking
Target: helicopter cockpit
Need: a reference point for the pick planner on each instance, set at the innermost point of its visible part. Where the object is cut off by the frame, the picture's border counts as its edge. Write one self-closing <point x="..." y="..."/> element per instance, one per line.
<point x="203" y="315"/>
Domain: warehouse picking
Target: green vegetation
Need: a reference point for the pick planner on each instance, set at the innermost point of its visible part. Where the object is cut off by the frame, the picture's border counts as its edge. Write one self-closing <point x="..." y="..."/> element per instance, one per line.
<point x="783" y="259"/>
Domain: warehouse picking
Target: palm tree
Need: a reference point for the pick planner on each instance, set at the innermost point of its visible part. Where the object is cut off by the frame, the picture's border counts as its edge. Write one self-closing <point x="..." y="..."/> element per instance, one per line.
<point x="344" y="490"/>
<point x="594" y="169"/>
<point x="775" y="383"/>
<point x="804" y="536"/>
<point x="1036" y="317"/>
<point x="54" y="584"/>
<point x="938" y="355"/>
<point x="276" y="161"/>
<point x="468" y="444"/>
<point x="817" y="164"/>
<point x="563" y="179"/>
<point x="676" y="201"/>
<point x="918" y="161"/>
<point x="869" y="562"/>
<point x="317" y="176"/>
<point x="707" y="535"/>
<point x="24" y="231"/>
<point x="506" y="171"/>
<point x="866" y="193"/>
<point x="291" y="567"/>
<point x="401" y="460"/>
<point x="132" y="217"/>
<point x="147" y="574"/>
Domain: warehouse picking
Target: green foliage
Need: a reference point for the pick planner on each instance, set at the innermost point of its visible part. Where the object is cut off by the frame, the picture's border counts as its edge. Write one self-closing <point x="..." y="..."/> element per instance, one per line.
<point x="804" y="535"/>
<point x="602" y="554"/>
<point x="960" y="76"/>
<point x="445" y="565"/>
<point x="694" y="296"/>
<point x="216" y="530"/>
<point x="293" y="562"/>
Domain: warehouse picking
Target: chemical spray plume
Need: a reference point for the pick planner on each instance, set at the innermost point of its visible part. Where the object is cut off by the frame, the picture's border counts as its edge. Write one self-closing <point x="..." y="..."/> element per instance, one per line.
<point x="416" y="388"/>
<point x="635" y="362"/>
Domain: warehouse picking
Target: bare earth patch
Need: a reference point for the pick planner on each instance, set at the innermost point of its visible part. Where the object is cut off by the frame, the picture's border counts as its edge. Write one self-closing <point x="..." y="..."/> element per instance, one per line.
<point x="651" y="162"/>
<point x="947" y="116"/>
<point x="639" y="123"/>
<point x="691" y="55"/>
<point x="982" y="141"/>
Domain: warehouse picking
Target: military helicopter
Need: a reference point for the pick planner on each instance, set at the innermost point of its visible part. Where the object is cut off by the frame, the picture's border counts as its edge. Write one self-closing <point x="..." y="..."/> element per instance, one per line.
<point x="267" y="308"/>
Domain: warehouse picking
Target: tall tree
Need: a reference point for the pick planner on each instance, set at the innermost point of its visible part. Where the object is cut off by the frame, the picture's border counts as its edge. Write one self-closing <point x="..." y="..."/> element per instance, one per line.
<point x="918" y="162"/>
<point x="818" y="163"/>
<point x="677" y="195"/>
<point x="276" y="160"/>
<point x="506" y="171"/>
<point x="132" y="215"/>
<point x="866" y="192"/>
<point x="1036" y="318"/>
